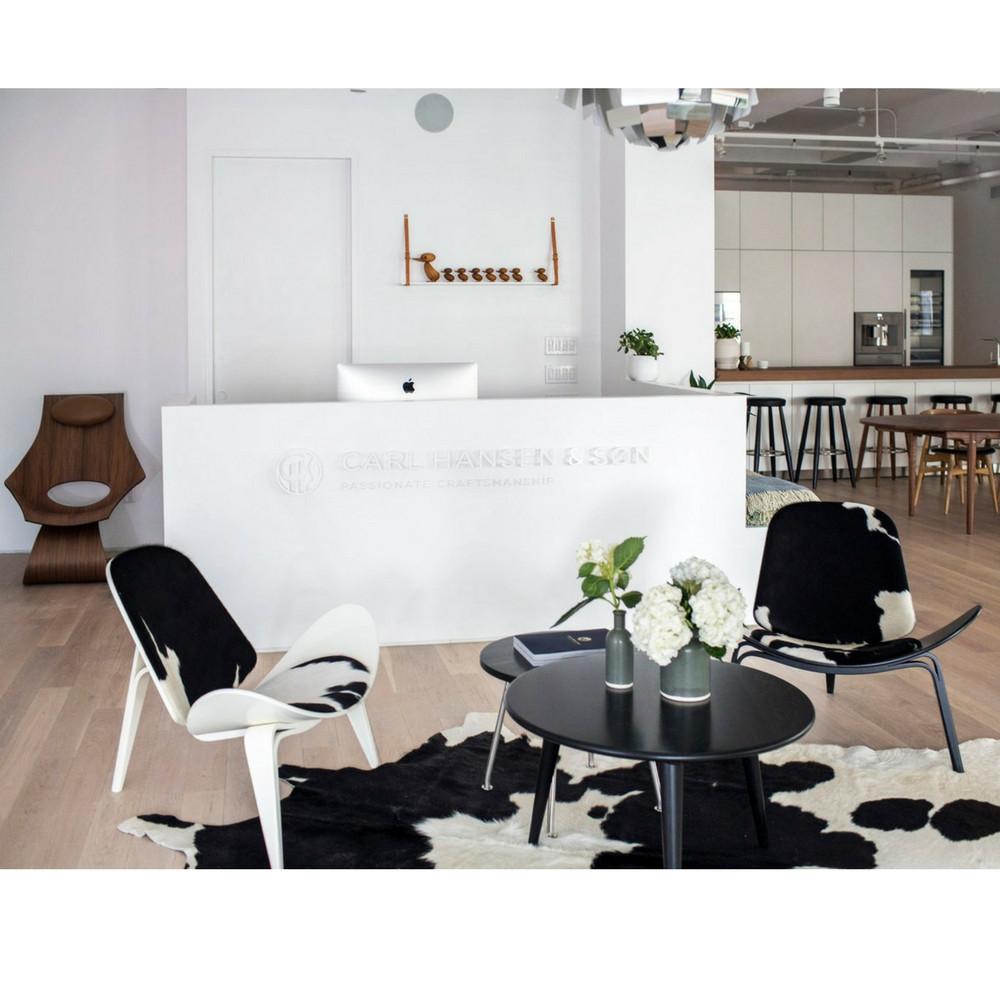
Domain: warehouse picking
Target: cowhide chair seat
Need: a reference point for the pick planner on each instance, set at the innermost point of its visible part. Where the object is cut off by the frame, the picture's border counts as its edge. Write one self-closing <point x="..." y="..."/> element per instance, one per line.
<point x="833" y="597"/>
<point x="197" y="657"/>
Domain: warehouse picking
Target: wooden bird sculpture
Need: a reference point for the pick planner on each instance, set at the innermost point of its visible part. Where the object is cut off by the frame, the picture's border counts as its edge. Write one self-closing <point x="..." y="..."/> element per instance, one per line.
<point x="477" y="274"/>
<point x="504" y="274"/>
<point x="491" y="274"/>
<point x="515" y="273"/>
<point x="540" y="272"/>
<point x="429" y="270"/>
<point x="449" y="274"/>
<point x="463" y="274"/>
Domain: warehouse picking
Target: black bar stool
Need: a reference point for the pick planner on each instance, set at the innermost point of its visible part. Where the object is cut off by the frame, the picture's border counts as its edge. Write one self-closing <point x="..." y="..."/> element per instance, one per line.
<point x="828" y="403"/>
<point x="756" y="405"/>
<point x="951" y="400"/>
<point x="881" y="402"/>
<point x="995" y="398"/>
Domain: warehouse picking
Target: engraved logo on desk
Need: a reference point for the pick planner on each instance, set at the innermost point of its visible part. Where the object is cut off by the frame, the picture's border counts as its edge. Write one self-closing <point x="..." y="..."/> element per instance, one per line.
<point x="299" y="471"/>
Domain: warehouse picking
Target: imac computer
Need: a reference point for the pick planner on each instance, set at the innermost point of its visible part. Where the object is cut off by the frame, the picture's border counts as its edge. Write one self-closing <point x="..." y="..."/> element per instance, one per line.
<point x="407" y="382"/>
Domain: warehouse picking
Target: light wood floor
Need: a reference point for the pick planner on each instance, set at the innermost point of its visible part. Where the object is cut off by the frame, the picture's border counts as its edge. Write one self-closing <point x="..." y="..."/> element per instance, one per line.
<point x="65" y="657"/>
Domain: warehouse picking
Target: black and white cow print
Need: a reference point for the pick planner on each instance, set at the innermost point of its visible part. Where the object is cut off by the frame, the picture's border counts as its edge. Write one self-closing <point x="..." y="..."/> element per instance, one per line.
<point x="833" y="585"/>
<point x="194" y="646"/>
<point x="827" y="807"/>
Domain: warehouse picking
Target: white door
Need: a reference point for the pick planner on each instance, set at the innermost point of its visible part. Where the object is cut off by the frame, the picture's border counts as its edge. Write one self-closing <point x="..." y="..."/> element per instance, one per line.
<point x="281" y="277"/>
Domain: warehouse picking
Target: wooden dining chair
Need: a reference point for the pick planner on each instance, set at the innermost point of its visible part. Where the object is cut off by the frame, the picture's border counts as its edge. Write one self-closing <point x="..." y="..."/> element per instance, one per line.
<point x="932" y="459"/>
<point x="956" y="467"/>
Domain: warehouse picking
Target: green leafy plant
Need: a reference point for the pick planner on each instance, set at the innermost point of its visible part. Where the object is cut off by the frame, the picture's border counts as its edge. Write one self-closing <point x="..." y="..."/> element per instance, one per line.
<point x="726" y="331"/>
<point x="639" y="342"/>
<point x="698" y="381"/>
<point x="604" y="575"/>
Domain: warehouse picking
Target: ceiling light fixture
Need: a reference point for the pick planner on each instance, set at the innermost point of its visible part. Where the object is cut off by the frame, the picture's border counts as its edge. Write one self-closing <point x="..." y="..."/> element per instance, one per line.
<point x="665" y="118"/>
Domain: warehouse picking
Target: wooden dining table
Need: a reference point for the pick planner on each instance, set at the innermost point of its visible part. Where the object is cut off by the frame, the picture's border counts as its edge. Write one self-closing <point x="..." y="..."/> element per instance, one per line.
<point x="958" y="425"/>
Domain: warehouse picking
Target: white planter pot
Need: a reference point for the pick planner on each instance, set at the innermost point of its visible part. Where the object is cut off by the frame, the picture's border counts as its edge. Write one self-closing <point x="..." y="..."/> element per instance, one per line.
<point x="727" y="354"/>
<point x="642" y="369"/>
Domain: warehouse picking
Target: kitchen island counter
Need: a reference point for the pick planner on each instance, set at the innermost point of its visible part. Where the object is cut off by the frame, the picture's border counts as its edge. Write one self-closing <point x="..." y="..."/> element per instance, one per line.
<point x="868" y="373"/>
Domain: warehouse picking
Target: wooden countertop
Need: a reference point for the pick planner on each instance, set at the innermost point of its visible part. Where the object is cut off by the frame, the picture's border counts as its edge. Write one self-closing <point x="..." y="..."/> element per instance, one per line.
<point x="873" y="373"/>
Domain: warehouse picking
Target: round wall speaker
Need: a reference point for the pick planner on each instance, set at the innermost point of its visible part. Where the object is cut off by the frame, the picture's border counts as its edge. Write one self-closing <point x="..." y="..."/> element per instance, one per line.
<point x="434" y="112"/>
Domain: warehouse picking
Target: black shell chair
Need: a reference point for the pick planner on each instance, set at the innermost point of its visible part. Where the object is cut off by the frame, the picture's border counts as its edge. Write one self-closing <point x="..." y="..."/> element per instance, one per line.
<point x="833" y="598"/>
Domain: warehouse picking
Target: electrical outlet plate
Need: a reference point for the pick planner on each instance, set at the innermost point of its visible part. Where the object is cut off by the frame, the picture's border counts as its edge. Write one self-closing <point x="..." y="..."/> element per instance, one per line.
<point x="560" y="374"/>
<point x="560" y="345"/>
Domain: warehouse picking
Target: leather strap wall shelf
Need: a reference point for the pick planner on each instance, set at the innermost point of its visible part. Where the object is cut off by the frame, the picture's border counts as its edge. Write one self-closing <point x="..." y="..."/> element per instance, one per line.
<point x="80" y="438"/>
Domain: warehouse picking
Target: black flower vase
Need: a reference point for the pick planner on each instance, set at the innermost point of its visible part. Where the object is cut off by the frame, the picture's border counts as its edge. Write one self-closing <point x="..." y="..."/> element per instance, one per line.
<point x="618" y="656"/>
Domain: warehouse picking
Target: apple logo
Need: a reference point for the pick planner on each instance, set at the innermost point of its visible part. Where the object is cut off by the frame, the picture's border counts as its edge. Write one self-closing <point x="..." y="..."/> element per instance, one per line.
<point x="408" y="387"/>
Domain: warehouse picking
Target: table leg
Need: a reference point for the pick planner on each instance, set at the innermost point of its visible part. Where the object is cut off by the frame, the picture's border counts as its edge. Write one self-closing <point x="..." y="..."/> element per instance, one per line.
<point x="672" y="811"/>
<point x="546" y="769"/>
<point x="758" y="804"/>
<point x="970" y="486"/>
<point x="911" y="471"/>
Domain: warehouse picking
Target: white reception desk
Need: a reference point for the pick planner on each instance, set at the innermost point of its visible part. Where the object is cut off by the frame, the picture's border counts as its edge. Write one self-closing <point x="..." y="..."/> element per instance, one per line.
<point x="452" y="520"/>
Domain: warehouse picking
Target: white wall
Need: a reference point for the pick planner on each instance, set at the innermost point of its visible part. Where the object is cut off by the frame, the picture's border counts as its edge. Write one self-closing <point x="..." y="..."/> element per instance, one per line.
<point x="92" y="274"/>
<point x="977" y="264"/>
<point x="665" y="257"/>
<point x="479" y="193"/>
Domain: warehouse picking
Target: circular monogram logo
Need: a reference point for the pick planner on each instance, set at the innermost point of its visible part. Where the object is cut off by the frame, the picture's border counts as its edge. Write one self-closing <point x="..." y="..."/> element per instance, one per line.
<point x="299" y="471"/>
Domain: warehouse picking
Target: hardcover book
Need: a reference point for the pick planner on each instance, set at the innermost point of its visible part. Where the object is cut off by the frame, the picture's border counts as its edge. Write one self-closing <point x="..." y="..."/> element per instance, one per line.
<point x="544" y="647"/>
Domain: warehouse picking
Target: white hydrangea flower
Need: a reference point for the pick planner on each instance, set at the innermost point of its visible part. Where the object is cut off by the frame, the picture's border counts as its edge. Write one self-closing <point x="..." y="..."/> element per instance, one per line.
<point x="718" y="612"/>
<point x="659" y="625"/>
<point x="695" y="570"/>
<point x="594" y="551"/>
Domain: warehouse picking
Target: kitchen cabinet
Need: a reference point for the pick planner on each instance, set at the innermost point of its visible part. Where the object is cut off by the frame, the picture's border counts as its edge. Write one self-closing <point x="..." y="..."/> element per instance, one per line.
<point x="766" y="303"/>
<point x="765" y="220"/>
<point x="727" y="270"/>
<point x="878" y="282"/>
<point x="927" y="223"/>
<point x="822" y="308"/>
<point x="727" y="220"/>
<point x="838" y="222"/>
<point x="807" y="221"/>
<point x="878" y="222"/>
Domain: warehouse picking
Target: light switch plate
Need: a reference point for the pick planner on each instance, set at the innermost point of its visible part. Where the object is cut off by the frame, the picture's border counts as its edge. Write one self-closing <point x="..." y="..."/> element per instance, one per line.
<point x="560" y="374"/>
<point x="560" y="345"/>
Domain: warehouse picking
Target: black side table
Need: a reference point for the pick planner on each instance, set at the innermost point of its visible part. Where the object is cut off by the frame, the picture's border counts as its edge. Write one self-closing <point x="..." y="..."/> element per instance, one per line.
<point x="749" y="713"/>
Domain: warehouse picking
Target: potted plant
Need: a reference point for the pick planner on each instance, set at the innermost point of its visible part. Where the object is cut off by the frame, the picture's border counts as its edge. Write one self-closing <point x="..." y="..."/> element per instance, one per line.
<point x="603" y="573"/>
<point x="727" y="346"/>
<point x="641" y="344"/>
<point x="686" y="622"/>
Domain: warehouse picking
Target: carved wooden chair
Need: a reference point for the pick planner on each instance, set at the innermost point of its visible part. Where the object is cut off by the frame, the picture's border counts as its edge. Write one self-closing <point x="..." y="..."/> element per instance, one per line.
<point x="81" y="439"/>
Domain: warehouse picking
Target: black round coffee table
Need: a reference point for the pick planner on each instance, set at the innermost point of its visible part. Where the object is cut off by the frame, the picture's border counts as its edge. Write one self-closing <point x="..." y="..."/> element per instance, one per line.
<point x="749" y="713"/>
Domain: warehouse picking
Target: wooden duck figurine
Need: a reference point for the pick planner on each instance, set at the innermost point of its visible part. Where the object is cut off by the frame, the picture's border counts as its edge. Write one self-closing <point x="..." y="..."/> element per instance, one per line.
<point x="429" y="270"/>
<point x="463" y="274"/>
<point x="504" y="274"/>
<point x="540" y="272"/>
<point x="449" y="274"/>
<point x="477" y="274"/>
<point x="515" y="273"/>
<point x="491" y="274"/>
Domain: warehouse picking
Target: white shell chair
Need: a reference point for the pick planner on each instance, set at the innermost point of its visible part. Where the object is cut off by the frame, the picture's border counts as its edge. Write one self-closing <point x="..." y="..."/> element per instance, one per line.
<point x="196" y="655"/>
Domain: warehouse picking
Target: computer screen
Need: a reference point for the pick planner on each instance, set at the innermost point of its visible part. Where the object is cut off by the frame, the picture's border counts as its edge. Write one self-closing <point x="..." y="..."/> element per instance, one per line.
<point x="407" y="382"/>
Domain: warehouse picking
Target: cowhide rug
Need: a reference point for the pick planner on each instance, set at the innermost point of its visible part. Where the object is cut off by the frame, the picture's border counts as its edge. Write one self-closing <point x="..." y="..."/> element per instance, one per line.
<point x="828" y="806"/>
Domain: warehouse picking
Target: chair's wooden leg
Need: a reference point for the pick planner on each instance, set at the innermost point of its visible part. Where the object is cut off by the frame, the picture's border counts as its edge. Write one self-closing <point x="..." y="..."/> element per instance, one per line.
<point x="802" y="443"/>
<point x="137" y="683"/>
<point x="878" y="448"/>
<point x="260" y="744"/>
<point x="921" y="469"/>
<point x="363" y="730"/>
<point x="862" y="452"/>
<point x="993" y="486"/>
<point x="947" y="492"/>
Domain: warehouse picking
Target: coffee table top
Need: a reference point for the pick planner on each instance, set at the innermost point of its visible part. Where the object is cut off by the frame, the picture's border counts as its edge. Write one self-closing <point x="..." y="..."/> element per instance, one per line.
<point x="499" y="660"/>
<point x="750" y="712"/>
